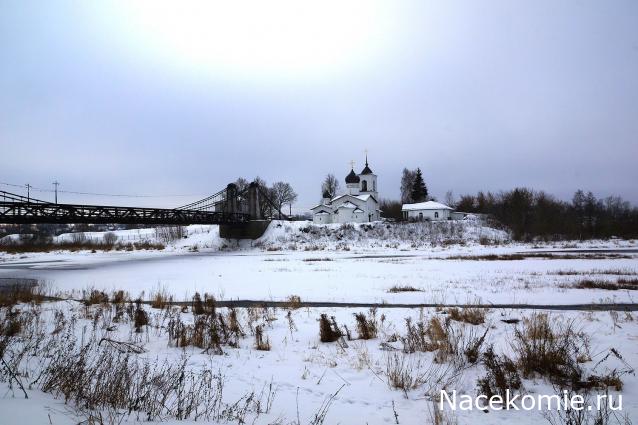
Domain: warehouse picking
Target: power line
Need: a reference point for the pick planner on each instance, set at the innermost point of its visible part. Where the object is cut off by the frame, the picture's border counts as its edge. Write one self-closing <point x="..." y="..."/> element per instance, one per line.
<point x="38" y="189"/>
<point x="56" y="184"/>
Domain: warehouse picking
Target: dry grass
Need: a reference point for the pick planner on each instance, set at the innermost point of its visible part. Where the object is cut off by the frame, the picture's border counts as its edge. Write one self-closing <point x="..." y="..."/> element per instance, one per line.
<point x="613" y="272"/>
<point x="403" y="288"/>
<point x="622" y="283"/>
<point x="161" y="299"/>
<point x="471" y="315"/>
<point x="549" y="349"/>
<point x="546" y="256"/>
<point x="21" y="291"/>
<point x="76" y="245"/>
<point x="402" y="372"/>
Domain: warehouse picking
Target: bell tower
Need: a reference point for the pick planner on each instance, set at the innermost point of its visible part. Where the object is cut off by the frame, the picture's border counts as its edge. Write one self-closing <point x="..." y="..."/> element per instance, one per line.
<point x="368" y="181"/>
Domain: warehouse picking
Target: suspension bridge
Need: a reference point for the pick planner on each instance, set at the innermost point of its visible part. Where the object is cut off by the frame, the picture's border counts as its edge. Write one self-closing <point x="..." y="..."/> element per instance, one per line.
<point x="240" y="212"/>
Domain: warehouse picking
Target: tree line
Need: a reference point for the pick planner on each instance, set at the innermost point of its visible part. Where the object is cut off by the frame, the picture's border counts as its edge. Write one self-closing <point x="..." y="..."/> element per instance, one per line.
<point x="533" y="214"/>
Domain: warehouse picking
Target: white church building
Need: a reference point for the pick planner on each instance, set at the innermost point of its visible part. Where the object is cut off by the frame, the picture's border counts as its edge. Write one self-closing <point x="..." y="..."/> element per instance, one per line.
<point x="360" y="203"/>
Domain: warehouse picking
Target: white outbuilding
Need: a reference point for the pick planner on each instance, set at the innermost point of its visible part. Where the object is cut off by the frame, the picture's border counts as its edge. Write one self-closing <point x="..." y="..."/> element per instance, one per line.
<point x="427" y="211"/>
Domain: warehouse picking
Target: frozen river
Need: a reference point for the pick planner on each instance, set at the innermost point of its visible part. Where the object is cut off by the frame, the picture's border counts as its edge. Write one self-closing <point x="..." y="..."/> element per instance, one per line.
<point x="329" y="276"/>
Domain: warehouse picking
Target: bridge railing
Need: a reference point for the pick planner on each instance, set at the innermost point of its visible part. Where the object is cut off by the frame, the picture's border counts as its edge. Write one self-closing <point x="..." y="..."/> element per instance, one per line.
<point x="16" y="209"/>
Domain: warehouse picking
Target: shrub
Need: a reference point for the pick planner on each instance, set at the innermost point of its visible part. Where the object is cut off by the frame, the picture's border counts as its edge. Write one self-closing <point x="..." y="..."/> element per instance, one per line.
<point x="293" y="302"/>
<point x="260" y="343"/>
<point x="140" y="316"/>
<point x="549" y="351"/>
<point x="501" y="375"/>
<point x="367" y="326"/>
<point x="95" y="297"/>
<point x="328" y="329"/>
<point x="109" y="238"/>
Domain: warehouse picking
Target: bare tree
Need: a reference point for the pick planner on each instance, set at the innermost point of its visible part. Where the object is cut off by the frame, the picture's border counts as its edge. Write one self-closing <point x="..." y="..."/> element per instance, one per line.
<point x="241" y="184"/>
<point x="449" y="199"/>
<point x="282" y="193"/>
<point x="407" y="185"/>
<point x="330" y="185"/>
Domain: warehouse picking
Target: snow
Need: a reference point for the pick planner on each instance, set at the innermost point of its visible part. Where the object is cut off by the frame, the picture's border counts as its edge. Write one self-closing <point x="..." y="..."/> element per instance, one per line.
<point x="344" y="263"/>
<point x="305" y="372"/>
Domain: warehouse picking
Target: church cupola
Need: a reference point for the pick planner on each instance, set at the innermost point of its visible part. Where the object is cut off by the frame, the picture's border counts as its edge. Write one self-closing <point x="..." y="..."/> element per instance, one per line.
<point x="352" y="182"/>
<point x="352" y="178"/>
<point x="326" y="197"/>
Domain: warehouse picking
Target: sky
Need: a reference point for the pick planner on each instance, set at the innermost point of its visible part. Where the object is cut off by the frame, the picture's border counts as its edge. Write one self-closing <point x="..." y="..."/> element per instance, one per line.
<point x="174" y="100"/>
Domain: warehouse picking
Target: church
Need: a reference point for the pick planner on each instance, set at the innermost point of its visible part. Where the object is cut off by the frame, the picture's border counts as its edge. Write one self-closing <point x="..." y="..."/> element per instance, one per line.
<point x="360" y="203"/>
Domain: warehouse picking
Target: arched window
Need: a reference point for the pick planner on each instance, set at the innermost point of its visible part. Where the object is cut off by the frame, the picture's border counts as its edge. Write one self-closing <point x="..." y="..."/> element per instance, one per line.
<point x="421" y="216"/>
<point x="364" y="186"/>
<point x="436" y="214"/>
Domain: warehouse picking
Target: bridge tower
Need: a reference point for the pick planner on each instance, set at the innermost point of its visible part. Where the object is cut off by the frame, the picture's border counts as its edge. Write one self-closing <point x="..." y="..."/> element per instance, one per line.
<point x="254" y="207"/>
<point x="230" y="203"/>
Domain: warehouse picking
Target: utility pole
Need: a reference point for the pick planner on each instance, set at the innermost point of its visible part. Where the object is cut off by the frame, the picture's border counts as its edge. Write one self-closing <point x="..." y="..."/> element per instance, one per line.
<point x="28" y="192"/>
<point x="56" y="184"/>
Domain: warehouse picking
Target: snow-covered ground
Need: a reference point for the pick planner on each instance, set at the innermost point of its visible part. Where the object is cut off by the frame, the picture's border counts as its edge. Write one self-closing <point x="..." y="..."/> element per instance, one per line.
<point x="303" y="373"/>
<point x="359" y="263"/>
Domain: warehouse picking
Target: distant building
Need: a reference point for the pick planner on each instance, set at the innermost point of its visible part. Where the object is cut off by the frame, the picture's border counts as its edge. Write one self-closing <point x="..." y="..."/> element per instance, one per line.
<point x="428" y="211"/>
<point x="358" y="205"/>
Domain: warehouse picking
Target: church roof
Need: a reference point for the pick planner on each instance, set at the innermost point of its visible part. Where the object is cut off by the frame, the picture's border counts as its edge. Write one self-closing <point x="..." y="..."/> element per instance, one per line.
<point x="348" y="204"/>
<point x="366" y="169"/>
<point x="429" y="205"/>
<point x="352" y="178"/>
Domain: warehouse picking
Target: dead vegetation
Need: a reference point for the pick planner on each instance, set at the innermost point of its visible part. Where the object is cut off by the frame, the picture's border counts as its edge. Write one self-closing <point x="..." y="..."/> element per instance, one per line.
<point x="293" y="302"/>
<point x="613" y="272"/>
<point x="261" y="343"/>
<point x="367" y="325"/>
<point x="403" y="288"/>
<point x="608" y="285"/>
<point x="161" y="299"/>
<point x="471" y="315"/>
<point x="502" y="375"/>
<point x="549" y="351"/>
<point x="540" y="255"/>
<point x="76" y="244"/>
<point x="94" y="296"/>
<point x="460" y="345"/>
<point x="21" y="291"/>
<point x="328" y="329"/>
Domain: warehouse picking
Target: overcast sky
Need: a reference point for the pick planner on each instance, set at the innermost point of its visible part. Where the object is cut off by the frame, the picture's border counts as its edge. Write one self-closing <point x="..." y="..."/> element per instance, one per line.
<point x="161" y="98"/>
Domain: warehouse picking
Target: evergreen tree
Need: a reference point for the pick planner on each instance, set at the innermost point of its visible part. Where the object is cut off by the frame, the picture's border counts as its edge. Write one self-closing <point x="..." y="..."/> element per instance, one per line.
<point x="419" y="189"/>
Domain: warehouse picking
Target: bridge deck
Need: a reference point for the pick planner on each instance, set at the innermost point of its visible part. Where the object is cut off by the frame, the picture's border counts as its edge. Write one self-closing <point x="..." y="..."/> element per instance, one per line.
<point x="42" y="212"/>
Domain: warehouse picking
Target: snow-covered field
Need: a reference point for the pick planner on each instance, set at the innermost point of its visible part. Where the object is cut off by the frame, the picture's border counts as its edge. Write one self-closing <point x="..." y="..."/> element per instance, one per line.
<point x="445" y="265"/>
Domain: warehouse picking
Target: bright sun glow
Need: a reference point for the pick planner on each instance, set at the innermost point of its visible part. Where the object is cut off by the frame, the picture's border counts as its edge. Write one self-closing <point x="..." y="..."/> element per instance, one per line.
<point x="285" y="38"/>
